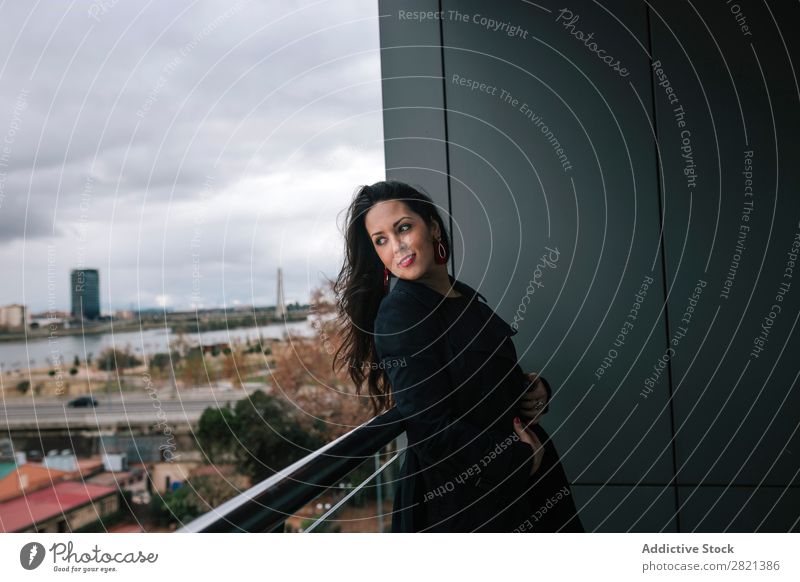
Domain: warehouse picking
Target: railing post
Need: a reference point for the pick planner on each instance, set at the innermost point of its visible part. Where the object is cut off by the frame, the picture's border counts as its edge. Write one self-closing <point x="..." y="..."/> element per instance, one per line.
<point x="379" y="491"/>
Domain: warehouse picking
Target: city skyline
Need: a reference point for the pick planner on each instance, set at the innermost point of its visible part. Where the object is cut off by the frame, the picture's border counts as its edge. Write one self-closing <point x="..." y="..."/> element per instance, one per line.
<point x="73" y="309"/>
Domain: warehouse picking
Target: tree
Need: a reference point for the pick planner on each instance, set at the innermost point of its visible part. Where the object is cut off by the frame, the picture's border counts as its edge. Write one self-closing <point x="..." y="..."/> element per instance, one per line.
<point x="271" y="437"/>
<point x="323" y="299"/>
<point x="162" y="360"/>
<point x="261" y="435"/>
<point x="303" y="373"/>
<point x="161" y="364"/>
<point x="198" y="495"/>
<point x="193" y="369"/>
<point x="216" y="433"/>
<point x="234" y="367"/>
<point x="111" y="359"/>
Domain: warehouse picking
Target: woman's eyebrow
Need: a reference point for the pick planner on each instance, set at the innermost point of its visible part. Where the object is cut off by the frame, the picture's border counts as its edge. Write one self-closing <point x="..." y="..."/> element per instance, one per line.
<point x="395" y="224"/>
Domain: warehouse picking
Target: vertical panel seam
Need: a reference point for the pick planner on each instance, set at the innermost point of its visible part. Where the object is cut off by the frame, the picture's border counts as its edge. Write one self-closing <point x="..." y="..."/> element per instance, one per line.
<point x="446" y="144"/>
<point x="664" y="287"/>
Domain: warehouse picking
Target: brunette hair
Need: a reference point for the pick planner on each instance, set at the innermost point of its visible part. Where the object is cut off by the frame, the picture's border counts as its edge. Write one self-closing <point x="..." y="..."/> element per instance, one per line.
<point x="359" y="287"/>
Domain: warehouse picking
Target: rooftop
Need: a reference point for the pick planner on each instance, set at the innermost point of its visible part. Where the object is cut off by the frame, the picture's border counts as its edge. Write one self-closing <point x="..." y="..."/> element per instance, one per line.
<point x="36" y="507"/>
<point x="33" y="475"/>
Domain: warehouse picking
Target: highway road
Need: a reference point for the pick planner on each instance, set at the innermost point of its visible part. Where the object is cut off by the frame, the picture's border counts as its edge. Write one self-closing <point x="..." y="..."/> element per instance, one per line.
<point x="134" y="409"/>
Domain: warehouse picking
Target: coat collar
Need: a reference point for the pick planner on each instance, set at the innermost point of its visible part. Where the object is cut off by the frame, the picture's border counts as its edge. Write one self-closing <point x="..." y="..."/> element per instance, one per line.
<point x="427" y="295"/>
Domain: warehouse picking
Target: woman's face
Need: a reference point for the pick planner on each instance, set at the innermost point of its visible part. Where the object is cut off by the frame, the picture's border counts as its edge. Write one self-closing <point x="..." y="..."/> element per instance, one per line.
<point x="396" y="233"/>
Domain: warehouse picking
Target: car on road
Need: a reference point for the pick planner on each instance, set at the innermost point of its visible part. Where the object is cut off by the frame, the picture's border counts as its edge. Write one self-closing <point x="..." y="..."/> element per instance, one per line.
<point x="82" y="402"/>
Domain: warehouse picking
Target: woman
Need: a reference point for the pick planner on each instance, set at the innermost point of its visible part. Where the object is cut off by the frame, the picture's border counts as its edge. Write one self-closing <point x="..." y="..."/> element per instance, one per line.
<point x="447" y="362"/>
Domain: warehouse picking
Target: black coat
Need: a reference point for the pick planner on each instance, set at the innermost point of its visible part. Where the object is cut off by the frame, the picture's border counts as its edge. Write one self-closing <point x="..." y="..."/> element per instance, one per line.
<point x="552" y="508"/>
<point x="456" y="382"/>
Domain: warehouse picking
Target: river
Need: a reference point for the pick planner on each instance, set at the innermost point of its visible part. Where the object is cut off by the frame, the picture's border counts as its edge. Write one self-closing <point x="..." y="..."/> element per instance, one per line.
<point x="41" y="352"/>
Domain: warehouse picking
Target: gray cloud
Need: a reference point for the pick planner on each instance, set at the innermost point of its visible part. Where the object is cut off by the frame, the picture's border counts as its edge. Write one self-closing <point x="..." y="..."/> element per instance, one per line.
<point x="131" y="110"/>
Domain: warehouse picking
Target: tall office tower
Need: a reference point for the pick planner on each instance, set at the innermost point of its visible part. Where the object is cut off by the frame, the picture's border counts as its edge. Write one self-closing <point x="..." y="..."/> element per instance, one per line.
<point x="85" y="290"/>
<point x="280" y="306"/>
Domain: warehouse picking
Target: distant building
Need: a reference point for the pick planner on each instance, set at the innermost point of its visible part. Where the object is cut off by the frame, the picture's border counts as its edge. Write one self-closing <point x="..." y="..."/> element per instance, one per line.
<point x="14" y="317"/>
<point x="51" y="314"/>
<point x="134" y="481"/>
<point x="65" y="461"/>
<point x="27" y="478"/>
<point x="6" y="451"/>
<point x="66" y="506"/>
<point x="85" y="291"/>
<point x="37" y="497"/>
<point x="51" y="319"/>
<point x="50" y="322"/>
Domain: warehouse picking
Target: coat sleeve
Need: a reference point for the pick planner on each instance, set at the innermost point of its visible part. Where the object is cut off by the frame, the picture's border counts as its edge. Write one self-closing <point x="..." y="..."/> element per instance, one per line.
<point x="408" y="342"/>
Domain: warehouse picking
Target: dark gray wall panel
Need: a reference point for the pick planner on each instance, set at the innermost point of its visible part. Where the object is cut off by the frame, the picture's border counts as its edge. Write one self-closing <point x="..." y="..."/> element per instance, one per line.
<point x="739" y="509"/>
<point x="615" y="508"/>
<point x="736" y="411"/>
<point x="413" y="118"/>
<point x="512" y="199"/>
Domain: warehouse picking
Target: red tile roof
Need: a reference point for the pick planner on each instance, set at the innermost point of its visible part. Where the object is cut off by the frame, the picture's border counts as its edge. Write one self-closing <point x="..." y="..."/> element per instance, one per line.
<point x="36" y="476"/>
<point x="40" y="505"/>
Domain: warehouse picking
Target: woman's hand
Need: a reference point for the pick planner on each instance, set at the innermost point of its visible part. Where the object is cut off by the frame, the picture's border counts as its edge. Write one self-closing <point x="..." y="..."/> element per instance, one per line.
<point x="532" y="403"/>
<point x="528" y="436"/>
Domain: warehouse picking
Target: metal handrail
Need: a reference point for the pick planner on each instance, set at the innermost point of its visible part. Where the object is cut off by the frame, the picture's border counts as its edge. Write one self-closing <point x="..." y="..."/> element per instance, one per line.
<point x="375" y="475"/>
<point x="265" y="506"/>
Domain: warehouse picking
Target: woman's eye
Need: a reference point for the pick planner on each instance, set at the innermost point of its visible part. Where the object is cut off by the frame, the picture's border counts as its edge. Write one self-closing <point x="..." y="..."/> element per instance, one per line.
<point x="401" y="228"/>
<point x="378" y="241"/>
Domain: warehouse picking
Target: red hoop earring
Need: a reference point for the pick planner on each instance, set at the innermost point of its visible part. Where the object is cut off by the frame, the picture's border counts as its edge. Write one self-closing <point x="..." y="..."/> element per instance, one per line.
<point x="385" y="279"/>
<point x="440" y="257"/>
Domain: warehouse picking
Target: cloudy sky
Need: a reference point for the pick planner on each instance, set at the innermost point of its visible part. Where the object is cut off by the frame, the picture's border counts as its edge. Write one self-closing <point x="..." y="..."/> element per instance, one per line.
<point x="184" y="149"/>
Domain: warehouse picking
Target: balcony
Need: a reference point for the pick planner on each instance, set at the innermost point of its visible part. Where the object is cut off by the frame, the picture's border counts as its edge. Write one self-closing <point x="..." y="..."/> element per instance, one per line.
<point x="266" y="506"/>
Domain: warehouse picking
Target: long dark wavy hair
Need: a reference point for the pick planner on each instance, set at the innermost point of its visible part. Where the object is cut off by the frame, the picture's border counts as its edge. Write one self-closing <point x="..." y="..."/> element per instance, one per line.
<point x="359" y="286"/>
